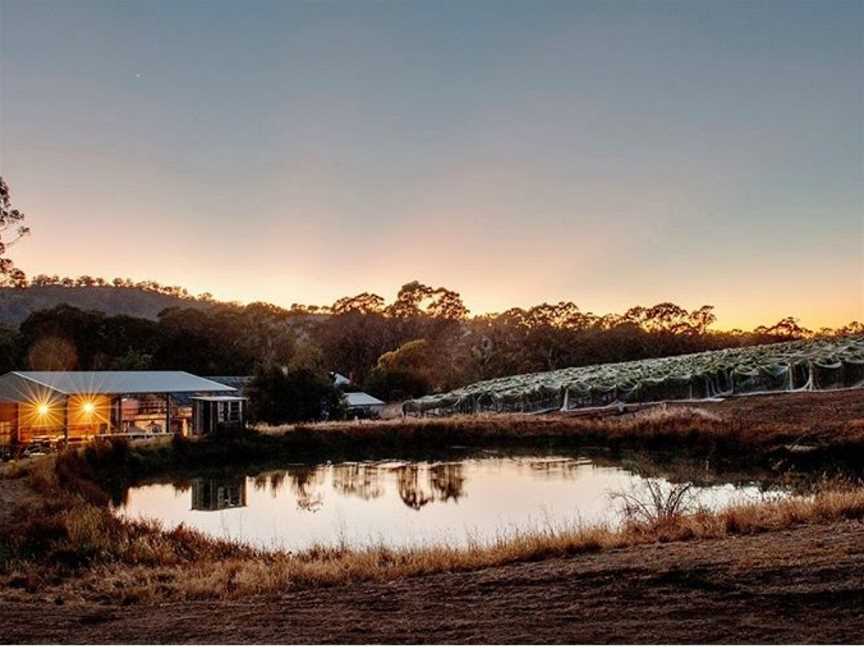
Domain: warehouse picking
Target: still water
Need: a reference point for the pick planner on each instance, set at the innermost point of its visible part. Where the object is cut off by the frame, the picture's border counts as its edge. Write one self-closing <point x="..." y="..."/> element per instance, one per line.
<point x="402" y="503"/>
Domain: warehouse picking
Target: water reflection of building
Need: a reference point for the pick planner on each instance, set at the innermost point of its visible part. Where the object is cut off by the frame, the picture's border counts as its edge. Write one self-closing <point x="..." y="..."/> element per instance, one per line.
<point x="218" y="494"/>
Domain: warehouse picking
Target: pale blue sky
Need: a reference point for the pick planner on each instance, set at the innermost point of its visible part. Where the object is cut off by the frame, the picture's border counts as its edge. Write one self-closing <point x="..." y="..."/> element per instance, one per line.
<point x="610" y="153"/>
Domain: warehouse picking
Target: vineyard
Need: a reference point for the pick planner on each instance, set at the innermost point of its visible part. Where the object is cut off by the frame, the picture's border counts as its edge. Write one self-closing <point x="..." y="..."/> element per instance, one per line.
<point x="802" y="365"/>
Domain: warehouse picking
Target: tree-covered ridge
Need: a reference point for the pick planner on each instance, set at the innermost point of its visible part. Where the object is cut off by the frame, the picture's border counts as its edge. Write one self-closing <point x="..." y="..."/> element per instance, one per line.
<point x="87" y="281"/>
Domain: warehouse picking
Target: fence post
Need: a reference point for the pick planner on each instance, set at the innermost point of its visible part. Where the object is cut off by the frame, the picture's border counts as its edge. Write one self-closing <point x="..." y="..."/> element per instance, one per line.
<point x="66" y="421"/>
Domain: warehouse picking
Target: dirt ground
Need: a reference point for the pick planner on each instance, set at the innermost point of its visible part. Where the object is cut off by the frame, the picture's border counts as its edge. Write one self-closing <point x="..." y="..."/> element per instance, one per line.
<point x="798" y="586"/>
<point x="13" y="494"/>
<point x="806" y="408"/>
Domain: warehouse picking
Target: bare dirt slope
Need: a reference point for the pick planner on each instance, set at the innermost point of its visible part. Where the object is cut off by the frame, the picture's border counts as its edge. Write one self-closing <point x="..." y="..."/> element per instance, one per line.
<point x="803" y="408"/>
<point x="802" y="585"/>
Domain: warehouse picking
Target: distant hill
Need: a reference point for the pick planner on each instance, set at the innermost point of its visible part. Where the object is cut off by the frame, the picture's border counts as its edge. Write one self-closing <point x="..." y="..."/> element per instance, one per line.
<point x="17" y="303"/>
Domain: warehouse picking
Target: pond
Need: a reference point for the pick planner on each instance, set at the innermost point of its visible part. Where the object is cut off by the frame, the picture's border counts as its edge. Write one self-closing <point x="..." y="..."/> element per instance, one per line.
<point x="408" y="503"/>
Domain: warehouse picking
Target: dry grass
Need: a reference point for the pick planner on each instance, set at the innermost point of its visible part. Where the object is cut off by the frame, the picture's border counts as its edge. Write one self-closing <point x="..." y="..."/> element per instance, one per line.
<point x="70" y="547"/>
<point x="673" y="428"/>
<point x="522" y="425"/>
<point x="271" y="573"/>
<point x="63" y="523"/>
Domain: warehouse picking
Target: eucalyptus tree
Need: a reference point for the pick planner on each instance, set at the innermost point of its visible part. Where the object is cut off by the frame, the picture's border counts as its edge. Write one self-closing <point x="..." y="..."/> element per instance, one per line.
<point x="11" y="219"/>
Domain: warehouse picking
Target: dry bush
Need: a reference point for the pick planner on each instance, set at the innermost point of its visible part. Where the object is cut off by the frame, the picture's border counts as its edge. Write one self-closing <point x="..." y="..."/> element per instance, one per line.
<point x="653" y="503"/>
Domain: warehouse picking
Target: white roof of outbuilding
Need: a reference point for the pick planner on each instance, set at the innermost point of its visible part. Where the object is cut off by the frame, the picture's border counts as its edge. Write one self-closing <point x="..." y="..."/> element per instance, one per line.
<point x="117" y="382"/>
<point x="361" y="399"/>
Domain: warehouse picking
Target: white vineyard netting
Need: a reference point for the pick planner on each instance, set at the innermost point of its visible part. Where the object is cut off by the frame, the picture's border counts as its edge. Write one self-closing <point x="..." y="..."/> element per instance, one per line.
<point x="802" y="365"/>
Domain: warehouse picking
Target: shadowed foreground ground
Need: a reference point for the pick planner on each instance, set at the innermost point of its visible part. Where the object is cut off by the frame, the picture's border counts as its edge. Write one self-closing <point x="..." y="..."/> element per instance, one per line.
<point x="801" y="585"/>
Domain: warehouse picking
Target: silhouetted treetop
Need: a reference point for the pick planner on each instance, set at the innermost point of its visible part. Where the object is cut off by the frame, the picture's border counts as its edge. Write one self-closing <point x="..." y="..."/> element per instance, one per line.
<point x="10" y="219"/>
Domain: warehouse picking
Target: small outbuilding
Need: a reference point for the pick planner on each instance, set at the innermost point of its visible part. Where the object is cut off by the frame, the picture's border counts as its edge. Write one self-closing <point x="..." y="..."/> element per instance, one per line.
<point x="363" y="403"/>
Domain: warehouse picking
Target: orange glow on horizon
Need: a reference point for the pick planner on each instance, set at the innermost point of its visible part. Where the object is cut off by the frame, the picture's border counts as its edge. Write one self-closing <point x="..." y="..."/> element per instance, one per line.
<point x="754" y="311"/>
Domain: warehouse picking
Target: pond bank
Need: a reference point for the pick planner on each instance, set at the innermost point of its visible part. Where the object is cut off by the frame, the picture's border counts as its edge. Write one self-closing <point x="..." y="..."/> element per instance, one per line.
<point x="64" y="541"/>
<point x="800" y="586"/>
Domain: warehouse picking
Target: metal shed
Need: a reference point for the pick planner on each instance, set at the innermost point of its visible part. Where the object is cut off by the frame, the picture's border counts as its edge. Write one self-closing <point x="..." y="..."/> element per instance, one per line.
<point x="47" y="406"/>
<point x="358" y="402"/>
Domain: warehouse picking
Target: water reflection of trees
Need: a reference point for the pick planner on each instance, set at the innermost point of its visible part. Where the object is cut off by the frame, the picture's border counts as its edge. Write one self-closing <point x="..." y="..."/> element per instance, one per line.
<point x="447" y="481"/>
<point x="303" y="481"/>
<point x="417" y="484"/>
<point x="410" y="490"/>
<point x="443" y="482"/>
<point x="359" y="480"/>
<point x="269" y="480"/>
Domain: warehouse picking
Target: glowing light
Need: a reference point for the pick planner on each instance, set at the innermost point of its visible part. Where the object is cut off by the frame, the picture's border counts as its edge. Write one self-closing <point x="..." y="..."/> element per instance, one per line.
<point x="42" y="409"/>
<point x="88" y="407"/>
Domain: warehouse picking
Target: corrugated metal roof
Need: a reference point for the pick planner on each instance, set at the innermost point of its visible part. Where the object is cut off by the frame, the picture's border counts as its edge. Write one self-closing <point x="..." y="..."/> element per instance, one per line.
<point x="339" y="379"/>
<point x="361" y="399"/>
<point x="237" y="382"/>
<point x="218" y="399"/>
<point x="120" y="382"/>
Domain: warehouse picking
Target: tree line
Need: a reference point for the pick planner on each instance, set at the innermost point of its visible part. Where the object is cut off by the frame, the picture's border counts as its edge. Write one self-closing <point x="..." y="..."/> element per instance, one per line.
<point x="424" y="341"/>
<point x="88" y="281"/>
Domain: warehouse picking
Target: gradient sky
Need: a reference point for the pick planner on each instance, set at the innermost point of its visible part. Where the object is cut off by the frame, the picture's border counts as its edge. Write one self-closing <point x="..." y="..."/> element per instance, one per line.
<point x="610" y="153"/>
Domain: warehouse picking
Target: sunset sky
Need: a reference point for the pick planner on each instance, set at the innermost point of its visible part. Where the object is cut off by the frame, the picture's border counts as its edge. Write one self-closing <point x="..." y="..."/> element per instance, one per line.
<point x="609" y="153"/>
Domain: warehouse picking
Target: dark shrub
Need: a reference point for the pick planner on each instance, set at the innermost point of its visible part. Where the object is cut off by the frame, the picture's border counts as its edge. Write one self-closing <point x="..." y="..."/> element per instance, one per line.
<point x="277" y="396"/>
<point x="396" y="384"/>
